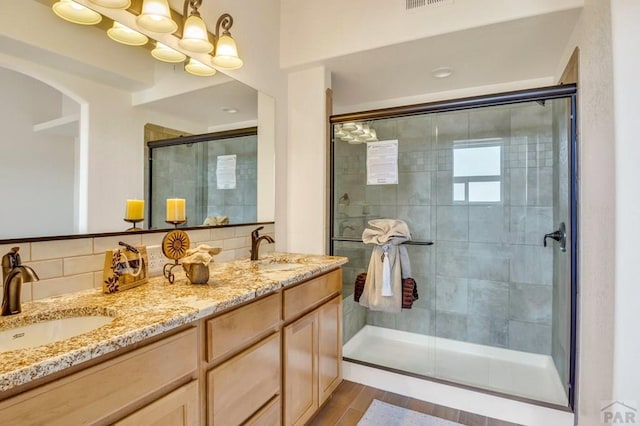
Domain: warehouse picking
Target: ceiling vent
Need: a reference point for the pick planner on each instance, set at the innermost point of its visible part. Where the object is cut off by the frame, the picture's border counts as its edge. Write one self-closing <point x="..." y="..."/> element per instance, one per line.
<point x="413" y="4"/>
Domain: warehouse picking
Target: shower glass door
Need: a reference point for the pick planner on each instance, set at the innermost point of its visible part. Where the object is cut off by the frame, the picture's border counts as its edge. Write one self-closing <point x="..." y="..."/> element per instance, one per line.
<point x="484" y="183"/>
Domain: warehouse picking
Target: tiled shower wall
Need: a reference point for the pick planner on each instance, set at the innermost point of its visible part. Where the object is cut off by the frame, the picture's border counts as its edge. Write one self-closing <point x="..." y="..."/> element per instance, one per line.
<point x="71" y="265"/>
<point x="189" y="171"/>
<point x="487" y="279"/>
<point x="239" y="204"/>
<point x="177" y="172"/>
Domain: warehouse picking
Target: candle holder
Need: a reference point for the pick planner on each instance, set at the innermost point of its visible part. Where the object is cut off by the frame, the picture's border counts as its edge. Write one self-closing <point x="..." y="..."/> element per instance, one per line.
<point x="174" y="246"/>
<point x="134" y="221"/>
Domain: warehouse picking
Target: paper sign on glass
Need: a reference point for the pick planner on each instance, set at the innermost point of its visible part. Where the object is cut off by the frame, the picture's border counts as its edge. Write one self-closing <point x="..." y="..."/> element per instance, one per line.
<point x="226" y="172"/>
<point x="382" y="162"/>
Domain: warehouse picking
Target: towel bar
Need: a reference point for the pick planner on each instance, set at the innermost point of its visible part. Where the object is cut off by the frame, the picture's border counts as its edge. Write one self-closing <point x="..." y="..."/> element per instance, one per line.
<point x="358" y="240"/>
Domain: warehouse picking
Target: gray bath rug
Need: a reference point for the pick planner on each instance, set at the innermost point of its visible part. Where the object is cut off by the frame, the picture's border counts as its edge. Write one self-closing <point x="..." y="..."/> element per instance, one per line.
<point x="382" y="414"/>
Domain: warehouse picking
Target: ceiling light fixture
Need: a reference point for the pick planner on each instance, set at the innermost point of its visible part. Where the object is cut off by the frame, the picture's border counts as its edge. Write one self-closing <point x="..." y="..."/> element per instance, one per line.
<point x="76" y="13"/>
<point x="442" y="72"/>
<point x="125" y="35"/>
<point x="355" y="132"/>
<point x="206" y="51"/>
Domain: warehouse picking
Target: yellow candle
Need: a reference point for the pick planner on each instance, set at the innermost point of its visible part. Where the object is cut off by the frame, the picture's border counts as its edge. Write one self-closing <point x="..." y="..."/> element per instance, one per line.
<point x="176" y="209"/>
<point x="135" y="210"/>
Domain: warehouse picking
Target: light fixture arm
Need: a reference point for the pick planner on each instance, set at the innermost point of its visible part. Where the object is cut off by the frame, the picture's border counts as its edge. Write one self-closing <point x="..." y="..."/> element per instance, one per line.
<point x="194" y="4"/>
<point x="226" y="22"/>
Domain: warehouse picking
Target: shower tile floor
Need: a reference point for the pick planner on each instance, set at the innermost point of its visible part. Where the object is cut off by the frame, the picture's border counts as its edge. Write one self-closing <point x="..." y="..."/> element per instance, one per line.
<point x="516" y="373"/>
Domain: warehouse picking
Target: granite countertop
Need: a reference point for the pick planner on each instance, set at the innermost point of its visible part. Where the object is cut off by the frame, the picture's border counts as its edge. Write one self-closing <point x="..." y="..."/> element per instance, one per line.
<point x="148" y="310"/>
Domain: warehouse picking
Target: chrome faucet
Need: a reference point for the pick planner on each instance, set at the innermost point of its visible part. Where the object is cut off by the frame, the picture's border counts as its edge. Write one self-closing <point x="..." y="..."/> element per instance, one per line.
<point x="14" y="273"/>
<point x="256" y="239"/>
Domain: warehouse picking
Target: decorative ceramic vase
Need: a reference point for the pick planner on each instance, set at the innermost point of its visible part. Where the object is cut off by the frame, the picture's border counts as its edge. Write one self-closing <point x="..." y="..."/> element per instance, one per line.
<point x="197" y="273"/>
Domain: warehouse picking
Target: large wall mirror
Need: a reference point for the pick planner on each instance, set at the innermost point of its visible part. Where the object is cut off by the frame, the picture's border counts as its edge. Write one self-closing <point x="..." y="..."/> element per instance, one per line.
<point x="74" y="107"/>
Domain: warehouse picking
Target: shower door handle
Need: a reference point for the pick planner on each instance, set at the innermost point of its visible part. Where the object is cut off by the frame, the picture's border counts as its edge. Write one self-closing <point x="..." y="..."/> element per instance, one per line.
<point x="560" y="235"/>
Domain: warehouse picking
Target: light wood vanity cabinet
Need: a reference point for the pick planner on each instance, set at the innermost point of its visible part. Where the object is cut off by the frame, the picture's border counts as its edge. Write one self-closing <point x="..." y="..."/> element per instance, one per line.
<point x="160" y="375"/>
<point x="312" y="349"/>
<point x="271" y="361"/>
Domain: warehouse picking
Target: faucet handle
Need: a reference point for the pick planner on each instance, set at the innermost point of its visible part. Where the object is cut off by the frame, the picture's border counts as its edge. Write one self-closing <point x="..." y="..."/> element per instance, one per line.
<point x="10" y="260"/>
<point x="254" y="233"/>
<point x="14" y="257"/>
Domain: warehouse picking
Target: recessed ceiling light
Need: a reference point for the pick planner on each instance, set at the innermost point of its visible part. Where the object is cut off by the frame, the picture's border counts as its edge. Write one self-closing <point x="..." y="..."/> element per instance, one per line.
<point x="442" y="72"/>
<point x="229" y="110"/>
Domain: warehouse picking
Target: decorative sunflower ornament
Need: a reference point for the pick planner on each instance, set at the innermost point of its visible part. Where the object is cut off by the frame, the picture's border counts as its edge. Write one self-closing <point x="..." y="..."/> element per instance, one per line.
<point x="175" y="244"/>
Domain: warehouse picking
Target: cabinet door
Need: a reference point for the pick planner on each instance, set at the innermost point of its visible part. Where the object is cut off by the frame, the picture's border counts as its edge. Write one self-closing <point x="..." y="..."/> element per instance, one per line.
<point x="301" y="369"/>
<point x="329" y="348"/>
<point x="179" y="408"/>
<point x="239" y="387"/>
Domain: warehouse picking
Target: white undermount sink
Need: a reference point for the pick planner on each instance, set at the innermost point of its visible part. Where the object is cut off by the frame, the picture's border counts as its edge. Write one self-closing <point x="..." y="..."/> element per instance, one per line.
<point x="45" y="332"/>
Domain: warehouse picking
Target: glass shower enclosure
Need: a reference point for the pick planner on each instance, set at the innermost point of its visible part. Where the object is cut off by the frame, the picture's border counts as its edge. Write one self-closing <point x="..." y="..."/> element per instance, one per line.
<point x="217" y="174"/>
<point x="487" y="188"/>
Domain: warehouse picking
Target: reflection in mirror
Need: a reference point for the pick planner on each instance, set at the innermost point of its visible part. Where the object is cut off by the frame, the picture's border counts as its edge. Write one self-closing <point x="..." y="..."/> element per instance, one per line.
<point x="37" y="157"/>
<point x="82" y="102"/>
<point x="216" y="173"/>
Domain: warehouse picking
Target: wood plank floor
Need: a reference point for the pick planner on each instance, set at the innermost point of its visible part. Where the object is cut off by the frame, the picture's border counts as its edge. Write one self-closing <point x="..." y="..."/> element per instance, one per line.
<point x="351" y="400"/>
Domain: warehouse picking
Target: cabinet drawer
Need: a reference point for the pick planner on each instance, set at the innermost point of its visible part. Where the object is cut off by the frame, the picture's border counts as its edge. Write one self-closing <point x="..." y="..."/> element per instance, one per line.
<point x="270" y="415"/>
<point x="230" y="332"/>
<point x="239" y="387"/>
<point x="179" y="408"/>
<point x="99" y="392"/>
<point x="300" y="298"/>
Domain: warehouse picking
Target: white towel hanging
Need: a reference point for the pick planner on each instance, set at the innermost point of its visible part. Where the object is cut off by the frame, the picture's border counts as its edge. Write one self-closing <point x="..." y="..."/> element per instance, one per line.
<point x="383" y="286"/>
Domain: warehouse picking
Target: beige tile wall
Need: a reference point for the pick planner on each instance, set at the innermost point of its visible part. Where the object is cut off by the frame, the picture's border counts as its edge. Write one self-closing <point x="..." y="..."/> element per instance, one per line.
<point x="67" y="266"/>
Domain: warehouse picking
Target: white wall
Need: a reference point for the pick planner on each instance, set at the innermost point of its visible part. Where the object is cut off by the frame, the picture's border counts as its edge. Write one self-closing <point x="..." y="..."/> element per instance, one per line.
<point x="597" y="211"/>
<point x="266" y="157"/>
<point x="36" y="168"/>
<point x="625" y="16"/>
<point x="307" y="167"/>
<point x="314" y="31"/>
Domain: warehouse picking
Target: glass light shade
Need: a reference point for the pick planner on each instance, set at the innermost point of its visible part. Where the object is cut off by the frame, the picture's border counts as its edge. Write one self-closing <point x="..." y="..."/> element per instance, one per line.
<point x="156" y="17"/>
<point x="76" y="13"/>
<point x="358" y="130"/>
<point x="196" y="67"/>
<point x="339" y="133"/>
<point x="113" y="4"/>
<point x="227" y="53"/>
<point x="125" y="35"/>
<point x="349" y="126"/>
<point x="195" y="37"/>
<point x="166" y="54"/>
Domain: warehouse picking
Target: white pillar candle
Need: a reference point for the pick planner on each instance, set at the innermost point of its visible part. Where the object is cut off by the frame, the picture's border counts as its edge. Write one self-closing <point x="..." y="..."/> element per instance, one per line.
<point x="176" y="209"/>
<point x="134" y="210"/>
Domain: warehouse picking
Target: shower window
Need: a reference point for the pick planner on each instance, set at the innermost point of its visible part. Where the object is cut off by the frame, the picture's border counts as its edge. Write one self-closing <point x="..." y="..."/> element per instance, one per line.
<point x="477" y="173"/>
<point x="483" y="180"/>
